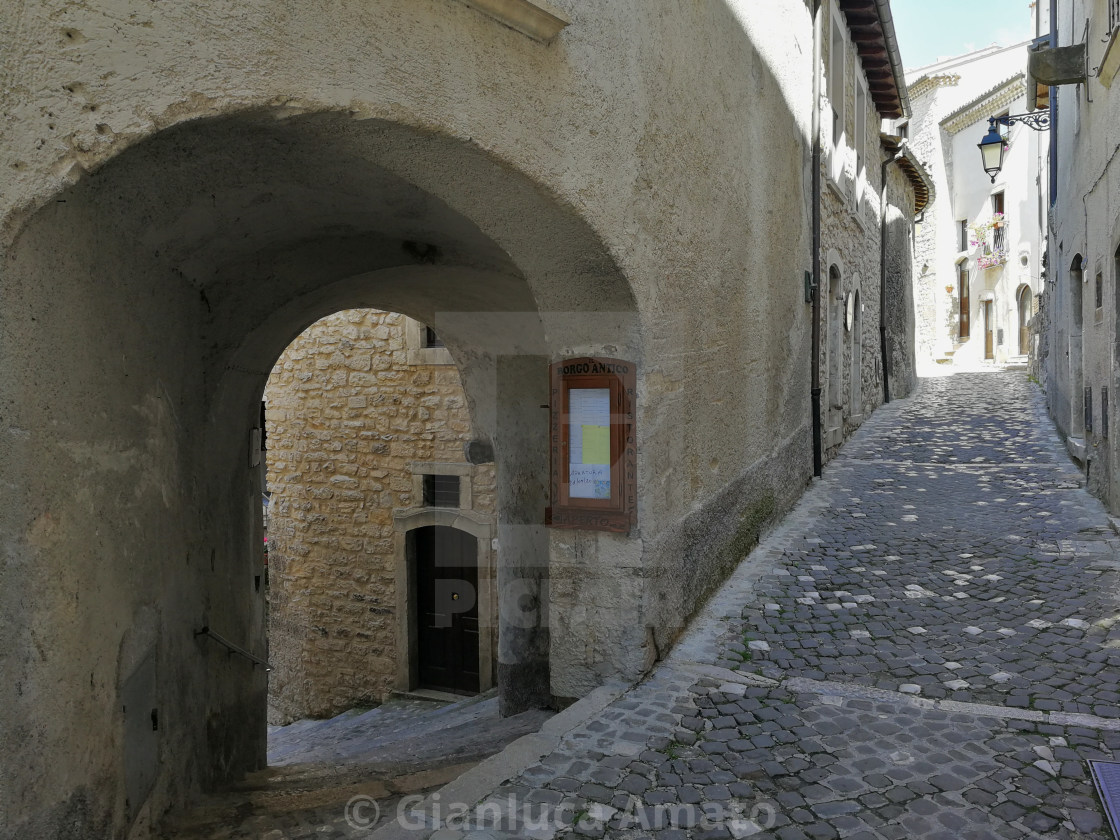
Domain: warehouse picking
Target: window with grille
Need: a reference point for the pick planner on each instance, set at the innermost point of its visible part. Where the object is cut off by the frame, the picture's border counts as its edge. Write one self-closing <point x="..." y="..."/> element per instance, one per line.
<point x="441" y="491"/>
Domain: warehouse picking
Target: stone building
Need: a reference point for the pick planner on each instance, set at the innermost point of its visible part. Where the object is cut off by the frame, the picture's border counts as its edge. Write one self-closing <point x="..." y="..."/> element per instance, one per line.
<point x="1075" y="66"/>
<point x="979" y="253"/>
<point x="366" y="429"/>
<point x="187" y="190"/>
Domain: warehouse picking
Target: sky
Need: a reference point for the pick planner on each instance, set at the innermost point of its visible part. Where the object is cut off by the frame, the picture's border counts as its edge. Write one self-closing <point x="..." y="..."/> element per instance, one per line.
<point x="929" y="30"/>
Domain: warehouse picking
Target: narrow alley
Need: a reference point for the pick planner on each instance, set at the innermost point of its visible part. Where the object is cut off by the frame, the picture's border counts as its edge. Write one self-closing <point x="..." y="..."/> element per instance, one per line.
<point x="924" y="648"/>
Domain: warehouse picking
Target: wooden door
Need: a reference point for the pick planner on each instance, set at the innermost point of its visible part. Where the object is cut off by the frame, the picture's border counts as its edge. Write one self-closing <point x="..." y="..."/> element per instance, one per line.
<point x="1024" y="317"/>
<point x="989" y="343"/>
<point x="962" y="292"/>
<point x="447" y="609"/>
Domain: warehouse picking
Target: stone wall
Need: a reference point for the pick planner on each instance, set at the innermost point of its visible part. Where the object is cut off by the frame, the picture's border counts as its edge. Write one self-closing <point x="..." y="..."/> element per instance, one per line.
<point x="898" y="304"/>
<point x="352" y="414"/>
<point x="850" y="233"/>
<point x="925" y="140"/>
<point x="1084" y="351"/>
<point x="186" y="192"/>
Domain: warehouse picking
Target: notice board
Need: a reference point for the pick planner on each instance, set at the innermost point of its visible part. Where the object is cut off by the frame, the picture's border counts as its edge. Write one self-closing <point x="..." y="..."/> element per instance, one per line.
<point x="591" y="445"/>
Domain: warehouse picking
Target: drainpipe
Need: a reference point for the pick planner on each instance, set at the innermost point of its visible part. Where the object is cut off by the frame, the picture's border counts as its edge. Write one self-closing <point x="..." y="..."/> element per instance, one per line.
<point x="816" y="132"/>
<point x="883" y="273"/>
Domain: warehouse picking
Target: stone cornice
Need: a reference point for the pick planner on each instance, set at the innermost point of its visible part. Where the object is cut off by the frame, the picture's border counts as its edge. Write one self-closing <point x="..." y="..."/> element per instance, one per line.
<point x="986" y="104"/>
<point x="927" y="83"/>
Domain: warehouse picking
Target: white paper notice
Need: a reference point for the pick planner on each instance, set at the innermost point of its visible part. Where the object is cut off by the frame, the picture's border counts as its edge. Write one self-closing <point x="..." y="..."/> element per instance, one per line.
<point x="589" y="468"/>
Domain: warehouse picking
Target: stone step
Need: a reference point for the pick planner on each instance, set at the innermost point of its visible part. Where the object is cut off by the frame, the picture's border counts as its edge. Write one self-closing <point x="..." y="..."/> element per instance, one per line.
<point x="397" y="720"/>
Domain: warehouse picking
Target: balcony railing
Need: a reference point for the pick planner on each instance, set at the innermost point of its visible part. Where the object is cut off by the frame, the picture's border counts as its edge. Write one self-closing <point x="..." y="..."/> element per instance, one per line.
<point x="991" y="239"/>
<point x="999" y="236"/>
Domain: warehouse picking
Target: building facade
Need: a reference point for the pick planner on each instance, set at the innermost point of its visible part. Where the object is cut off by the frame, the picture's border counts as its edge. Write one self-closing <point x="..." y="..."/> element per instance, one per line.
<point x="537" y="182"/>
<point x="1082" y="305"/>
<point x="980" y="246"/>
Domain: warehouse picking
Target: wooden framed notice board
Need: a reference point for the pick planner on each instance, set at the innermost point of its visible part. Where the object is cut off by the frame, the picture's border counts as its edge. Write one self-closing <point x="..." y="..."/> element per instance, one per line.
<point x="591" y="445"/>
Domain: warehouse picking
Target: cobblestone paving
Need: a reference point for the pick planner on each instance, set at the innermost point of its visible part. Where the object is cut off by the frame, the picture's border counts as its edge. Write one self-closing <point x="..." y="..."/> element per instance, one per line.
<point x="926" y="649"/>
<point x="971" y="569"/>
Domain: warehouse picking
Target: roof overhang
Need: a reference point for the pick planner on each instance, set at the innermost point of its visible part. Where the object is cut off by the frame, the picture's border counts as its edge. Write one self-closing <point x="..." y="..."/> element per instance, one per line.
<point x="872" y="30"/>
<point x="914" y="169"/>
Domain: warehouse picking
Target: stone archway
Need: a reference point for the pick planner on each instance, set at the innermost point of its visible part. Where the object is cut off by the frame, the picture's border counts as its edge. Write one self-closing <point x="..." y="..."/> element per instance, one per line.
<point x="162" y="288"/>
<point x="1023" y="301"/>
<point x="855" y="337"/>
<point x="361" y="420"/>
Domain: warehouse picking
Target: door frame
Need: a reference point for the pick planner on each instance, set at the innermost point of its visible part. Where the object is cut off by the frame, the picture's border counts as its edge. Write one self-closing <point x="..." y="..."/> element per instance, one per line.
<point x="482" y="529"/>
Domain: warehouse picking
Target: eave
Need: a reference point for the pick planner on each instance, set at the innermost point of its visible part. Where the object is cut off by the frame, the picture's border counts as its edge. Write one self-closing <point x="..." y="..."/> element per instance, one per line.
<point x="872" y="31"/>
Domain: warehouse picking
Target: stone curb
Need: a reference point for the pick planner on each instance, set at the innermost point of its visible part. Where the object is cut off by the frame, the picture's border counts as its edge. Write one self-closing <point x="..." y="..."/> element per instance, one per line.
<point x="803" y="685"/>
<point x="482" y="779"/>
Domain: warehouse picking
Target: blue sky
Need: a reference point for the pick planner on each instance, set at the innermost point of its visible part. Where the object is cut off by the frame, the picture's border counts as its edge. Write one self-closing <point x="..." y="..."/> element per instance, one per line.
<point x="929" y="30"/>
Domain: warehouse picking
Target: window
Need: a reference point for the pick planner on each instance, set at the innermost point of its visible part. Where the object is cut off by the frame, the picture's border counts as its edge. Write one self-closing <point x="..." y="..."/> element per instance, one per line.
<point x="837" y="53"/>
<point x="962" y="235"/>
<point x="997" y="202"/>
<point x="1100" y="290"/>
<point x="903" y="130"/>
<point x="441" y="491"/>
<point x="1089" y="409"/>
<point x="431" y="339"/>
<point x="861" y="124"/>
<point x="1004" y="128"/>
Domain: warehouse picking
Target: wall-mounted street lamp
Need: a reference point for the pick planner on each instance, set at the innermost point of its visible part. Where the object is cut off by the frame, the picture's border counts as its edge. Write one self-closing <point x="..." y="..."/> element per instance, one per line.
<point x="992" y="146"/>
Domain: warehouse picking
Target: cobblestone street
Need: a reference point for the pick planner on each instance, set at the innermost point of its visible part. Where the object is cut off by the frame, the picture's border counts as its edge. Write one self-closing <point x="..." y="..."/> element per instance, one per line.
<point x="924" y="648"/>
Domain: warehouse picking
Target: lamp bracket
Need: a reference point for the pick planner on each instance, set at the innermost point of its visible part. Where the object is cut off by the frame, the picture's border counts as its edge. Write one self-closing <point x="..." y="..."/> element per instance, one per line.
<point x="1038" y="120"/>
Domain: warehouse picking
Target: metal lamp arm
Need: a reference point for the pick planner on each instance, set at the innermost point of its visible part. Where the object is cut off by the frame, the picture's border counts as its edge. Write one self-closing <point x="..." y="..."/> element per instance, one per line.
<point x="1038" y="120"/>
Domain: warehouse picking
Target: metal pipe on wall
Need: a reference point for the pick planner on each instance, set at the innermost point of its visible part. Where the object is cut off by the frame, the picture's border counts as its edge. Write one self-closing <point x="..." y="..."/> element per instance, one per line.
<point x="815" y="392"/>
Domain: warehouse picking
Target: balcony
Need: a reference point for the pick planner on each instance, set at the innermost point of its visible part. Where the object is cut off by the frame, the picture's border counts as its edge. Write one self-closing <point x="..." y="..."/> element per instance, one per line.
<point x="990" y="238"/>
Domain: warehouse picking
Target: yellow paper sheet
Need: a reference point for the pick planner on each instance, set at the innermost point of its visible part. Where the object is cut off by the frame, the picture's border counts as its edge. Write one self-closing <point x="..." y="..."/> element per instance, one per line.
<point x="596" y="444"/>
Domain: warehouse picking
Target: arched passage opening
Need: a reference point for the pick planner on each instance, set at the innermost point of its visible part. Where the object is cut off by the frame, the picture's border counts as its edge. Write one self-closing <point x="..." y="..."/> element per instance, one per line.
<point x="855" y="381"/>
<point x="367" y="433"/>
<point x="835" y="355"/>
<point x="157" y="293"/>
<point x="1024" y="300"/>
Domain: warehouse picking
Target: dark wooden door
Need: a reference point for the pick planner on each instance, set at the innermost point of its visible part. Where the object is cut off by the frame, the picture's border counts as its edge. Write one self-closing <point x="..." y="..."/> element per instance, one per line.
<point x="447" y="609"/>
<point x="962" y="292"/>
<point x="989" y="343"/>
